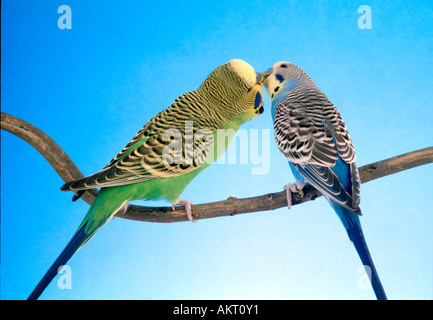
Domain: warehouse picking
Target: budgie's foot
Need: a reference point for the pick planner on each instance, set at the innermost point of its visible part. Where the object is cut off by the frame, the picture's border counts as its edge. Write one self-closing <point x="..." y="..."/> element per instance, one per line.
<point x="121" y="210"/>
<point x="295" y="188"/>
<point x="187" y="204"/>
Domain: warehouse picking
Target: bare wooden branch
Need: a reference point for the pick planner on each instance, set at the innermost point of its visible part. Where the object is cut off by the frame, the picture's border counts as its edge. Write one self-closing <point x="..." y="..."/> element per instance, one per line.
<point x="48" y="148"/>
<point x="67" y="170"/>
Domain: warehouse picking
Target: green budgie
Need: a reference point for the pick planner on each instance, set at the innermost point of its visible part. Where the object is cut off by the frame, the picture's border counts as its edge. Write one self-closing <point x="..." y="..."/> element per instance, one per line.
<point x="168" y="152"/>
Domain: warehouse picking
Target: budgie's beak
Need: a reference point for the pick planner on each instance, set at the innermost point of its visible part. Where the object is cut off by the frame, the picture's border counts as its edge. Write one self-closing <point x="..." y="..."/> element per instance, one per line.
<point x="261" y="77"/>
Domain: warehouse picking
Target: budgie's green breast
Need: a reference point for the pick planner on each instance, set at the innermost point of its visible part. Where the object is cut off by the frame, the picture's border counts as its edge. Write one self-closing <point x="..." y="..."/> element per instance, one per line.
<point x="160" y="188"/>
<point x="204" y="137"/>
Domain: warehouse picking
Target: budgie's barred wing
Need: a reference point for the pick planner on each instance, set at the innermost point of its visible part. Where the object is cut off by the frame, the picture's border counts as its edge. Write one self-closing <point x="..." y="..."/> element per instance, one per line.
<point x="312" y="135"/>
<point x="144" y="158"/>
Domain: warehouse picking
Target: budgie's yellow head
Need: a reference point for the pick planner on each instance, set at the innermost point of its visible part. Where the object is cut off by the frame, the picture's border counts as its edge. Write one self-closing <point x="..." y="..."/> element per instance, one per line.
<point x="234" y="90"/>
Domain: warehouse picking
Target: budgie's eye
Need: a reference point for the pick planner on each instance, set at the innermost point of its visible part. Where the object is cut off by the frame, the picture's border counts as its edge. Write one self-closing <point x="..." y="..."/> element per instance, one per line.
<point x="283" y="65"/>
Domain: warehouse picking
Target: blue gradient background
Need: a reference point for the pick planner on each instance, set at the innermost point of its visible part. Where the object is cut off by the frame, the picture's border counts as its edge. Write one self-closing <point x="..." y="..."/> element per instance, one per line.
<point x="93" y="87"/>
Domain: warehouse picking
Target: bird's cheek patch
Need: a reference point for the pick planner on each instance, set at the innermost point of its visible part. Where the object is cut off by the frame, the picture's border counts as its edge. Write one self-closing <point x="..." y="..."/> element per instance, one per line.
<point x="258" y="100"/>
<point x="279" y="77"/>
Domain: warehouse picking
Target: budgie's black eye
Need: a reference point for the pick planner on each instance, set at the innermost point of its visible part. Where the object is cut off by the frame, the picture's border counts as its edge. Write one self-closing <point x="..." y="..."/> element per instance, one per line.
<point x="283" y="65"/>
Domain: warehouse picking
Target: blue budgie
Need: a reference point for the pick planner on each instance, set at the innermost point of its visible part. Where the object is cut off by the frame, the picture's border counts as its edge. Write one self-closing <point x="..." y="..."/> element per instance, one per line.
<point x="311" y="134"/>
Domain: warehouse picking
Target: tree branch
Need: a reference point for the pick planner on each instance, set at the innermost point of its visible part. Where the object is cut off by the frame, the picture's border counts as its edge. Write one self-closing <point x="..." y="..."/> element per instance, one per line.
<point x="48" y="148"/>
<point x="67" y="170"/>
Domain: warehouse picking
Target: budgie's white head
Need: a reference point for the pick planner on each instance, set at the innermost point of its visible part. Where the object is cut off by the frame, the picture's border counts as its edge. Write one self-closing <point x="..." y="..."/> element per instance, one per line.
<point x="276" y="78"/>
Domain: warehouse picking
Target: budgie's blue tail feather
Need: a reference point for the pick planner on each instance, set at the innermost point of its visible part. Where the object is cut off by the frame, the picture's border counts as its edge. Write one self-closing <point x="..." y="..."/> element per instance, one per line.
<point x="106" y="204"/>
<point x="354" y="231"/>
<point x="79" y="238"/>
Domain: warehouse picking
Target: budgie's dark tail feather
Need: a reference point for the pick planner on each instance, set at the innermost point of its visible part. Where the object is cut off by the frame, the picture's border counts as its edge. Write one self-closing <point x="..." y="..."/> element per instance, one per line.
<point x="79" y="238"/>
<point x="78" y="195"/>
<point x="357" y="237"/>
<point x="106" y="204"/>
